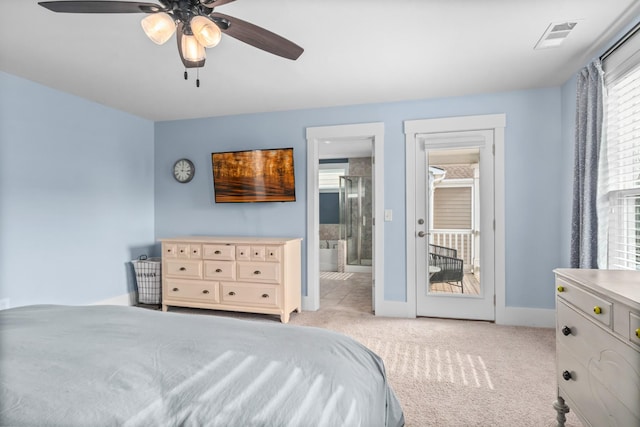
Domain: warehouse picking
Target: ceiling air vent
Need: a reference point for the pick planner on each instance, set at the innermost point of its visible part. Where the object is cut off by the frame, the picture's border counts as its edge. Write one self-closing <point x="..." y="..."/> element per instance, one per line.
<point x="555" y="35"/>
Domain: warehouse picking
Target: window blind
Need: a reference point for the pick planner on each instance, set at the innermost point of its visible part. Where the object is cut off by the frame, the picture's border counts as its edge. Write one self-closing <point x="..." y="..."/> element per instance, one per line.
<point x="621" y="165"/>
<point x="329" y="176"/>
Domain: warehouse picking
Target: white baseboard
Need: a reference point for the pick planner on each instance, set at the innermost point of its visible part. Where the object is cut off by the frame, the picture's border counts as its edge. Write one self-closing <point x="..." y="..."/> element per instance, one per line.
<point x="521" y="316"/>
<point x="124" y="299"/>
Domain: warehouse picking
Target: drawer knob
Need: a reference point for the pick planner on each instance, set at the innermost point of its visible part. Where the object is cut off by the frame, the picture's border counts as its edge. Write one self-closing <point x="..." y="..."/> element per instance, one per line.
<point x="217" y="252"/>
<point x="241" y="253"/>
<point x="175" y="289"/>
<point x="566" y="331"/>
<point x="257" y="272"/>
<point x="181" y="251"/>
<point x="560" y="288"/>
<point x="270" y="253"/>
<point x="597" y="309"/>
<point x="183" y="269"/>
<point x="265" y="295"/>
<point x="638" y="332"/>
<point x="205" y="291"/>
<point x="566" y="375"/>
<point x="232" y="293"/>
<point x="195" y="251"/>
<point x="218" y="270"/>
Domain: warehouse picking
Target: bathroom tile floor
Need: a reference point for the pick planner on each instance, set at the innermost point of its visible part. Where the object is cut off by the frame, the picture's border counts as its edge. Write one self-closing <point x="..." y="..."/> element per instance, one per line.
<point x="352" y="294"/>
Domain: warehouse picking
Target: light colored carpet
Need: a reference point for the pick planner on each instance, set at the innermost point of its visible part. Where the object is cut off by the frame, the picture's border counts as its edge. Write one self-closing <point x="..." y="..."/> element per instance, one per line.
<point x="332" y="275"/>
<point x="453" y="372"/>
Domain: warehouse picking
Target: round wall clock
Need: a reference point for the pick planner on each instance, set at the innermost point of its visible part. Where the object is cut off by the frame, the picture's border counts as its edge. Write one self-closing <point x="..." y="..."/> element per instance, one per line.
<point x="184" y="170"/>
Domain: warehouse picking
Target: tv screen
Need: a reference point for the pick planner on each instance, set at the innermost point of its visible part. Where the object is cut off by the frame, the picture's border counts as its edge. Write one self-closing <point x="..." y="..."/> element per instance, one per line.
<point x="254" y="176"/>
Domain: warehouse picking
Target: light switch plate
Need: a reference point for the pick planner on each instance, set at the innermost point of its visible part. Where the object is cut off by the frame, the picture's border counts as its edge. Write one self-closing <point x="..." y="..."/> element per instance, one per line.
<point x="388" y="215"/>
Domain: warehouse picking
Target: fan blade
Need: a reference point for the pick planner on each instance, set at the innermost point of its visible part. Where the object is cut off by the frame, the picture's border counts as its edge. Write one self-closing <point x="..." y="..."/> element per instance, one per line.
<point x="215" y="3"/>
<point x="257" y="36"/>
<point x="187" y="63"/>
<point x="101" y="7"/>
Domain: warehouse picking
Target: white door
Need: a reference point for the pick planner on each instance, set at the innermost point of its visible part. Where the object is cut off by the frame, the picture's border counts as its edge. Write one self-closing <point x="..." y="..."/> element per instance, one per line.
<point x="454" y="238"/>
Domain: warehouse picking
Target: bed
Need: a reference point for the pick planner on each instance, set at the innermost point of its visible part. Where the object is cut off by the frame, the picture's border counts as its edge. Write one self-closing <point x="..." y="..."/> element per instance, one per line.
<point x="127" y="366"/>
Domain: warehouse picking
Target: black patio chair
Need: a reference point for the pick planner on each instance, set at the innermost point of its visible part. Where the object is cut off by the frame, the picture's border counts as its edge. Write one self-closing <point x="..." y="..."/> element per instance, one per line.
<point x="451" y="270"/>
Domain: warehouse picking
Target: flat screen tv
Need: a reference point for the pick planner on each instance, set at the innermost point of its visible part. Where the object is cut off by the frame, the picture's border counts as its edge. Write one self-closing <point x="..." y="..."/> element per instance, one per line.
<point x="254" y="176"/>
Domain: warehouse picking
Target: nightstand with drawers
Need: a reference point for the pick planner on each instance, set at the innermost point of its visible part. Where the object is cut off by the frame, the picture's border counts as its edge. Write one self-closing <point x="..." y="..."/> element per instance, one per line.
<point x="598" y="346"/>
<point x="247" y="274"/>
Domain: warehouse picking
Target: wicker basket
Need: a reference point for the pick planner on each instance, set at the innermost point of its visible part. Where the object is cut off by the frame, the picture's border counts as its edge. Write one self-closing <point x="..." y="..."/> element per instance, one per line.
<point x="148" y="279"/>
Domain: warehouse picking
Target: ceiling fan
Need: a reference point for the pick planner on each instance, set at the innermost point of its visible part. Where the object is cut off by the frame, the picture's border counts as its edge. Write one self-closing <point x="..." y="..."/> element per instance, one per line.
<point x="195" y="23"/>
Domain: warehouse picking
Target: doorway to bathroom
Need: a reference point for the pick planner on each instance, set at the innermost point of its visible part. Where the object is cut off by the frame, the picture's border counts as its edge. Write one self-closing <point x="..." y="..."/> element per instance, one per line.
<point x="346" y="224"/>
<point x="343" y="242"/>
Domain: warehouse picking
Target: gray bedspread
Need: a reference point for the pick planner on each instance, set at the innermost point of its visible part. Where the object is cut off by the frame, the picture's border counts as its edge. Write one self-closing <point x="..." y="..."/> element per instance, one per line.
<point x="126" y="366"/>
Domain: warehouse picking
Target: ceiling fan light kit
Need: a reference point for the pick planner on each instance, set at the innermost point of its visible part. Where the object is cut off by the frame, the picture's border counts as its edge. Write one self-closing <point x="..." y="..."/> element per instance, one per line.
<point x="159" y="27"/>
<point x="195" y="23"/>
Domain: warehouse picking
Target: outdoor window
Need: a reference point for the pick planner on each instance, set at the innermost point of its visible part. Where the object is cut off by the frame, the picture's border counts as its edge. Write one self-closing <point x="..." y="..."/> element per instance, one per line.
<point x="329" y="178"/>
<point x="620" y="156"/>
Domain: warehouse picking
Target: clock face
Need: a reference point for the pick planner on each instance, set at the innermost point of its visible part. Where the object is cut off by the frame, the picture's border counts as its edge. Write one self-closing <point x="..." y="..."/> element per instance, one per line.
<point x="183" y="170"/>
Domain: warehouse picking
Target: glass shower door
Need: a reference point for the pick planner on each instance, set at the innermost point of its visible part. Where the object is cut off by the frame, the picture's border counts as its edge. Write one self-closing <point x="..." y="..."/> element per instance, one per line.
<point x="356" y="219"/>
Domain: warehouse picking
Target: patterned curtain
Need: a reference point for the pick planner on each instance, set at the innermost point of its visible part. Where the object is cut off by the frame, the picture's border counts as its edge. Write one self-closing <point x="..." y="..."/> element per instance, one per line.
<point x="584" y="220"/>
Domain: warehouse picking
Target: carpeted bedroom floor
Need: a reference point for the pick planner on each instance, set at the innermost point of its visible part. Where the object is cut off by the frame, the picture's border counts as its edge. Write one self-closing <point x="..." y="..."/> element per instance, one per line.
<point x="451" y="372"/>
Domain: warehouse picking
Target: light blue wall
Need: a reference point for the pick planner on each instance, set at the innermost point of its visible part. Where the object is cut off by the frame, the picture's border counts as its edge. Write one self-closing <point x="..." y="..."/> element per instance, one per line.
<point x="76" y="195"/>
<point x="534" y="169"/>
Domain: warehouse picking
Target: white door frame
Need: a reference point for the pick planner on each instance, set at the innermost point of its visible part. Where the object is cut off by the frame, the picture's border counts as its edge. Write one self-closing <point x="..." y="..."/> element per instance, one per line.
<point x="495" y="122"/>
<point x="315" y="136"/>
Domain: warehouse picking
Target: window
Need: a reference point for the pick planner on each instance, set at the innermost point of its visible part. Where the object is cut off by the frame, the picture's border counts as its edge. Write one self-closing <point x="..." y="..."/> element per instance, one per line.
<point x="620" y="164"/>
<point x="329" y="178"/>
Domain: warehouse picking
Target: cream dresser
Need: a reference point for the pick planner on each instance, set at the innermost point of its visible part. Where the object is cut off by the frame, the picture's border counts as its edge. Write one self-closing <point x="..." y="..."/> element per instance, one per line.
<point x="249" y="274"/>
<point x="598" y="346"/>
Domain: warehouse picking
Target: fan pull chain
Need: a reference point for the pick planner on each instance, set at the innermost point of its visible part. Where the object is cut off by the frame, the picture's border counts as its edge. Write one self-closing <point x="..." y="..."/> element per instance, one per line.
<point x="186" y="76"/>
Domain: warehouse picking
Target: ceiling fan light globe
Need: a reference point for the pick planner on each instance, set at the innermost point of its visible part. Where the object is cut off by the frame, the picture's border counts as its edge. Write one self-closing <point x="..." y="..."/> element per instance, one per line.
<point x="159" y="27"/>
<point x="206" y="31"/>
<point x="192" y="50"/>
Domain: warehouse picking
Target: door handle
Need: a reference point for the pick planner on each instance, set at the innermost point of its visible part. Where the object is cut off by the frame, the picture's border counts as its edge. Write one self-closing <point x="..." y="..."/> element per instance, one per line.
<point x="421" y="234"/>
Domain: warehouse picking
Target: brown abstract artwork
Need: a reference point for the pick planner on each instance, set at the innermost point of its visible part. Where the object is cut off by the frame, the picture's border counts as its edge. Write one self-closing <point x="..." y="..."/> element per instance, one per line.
<point x="254" y="176"/>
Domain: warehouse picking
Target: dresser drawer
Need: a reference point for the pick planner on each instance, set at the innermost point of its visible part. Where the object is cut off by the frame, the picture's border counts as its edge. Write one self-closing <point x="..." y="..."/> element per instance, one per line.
<point x="220" y="270"/>
<point x="634" y="328"/>
<point x="273" y="253"/>
<point x="602" y="393"/>
<point x="219" y="252"/>
<point x="202" y="291"/>
<point x="169" y="250"/>
<point x="250" y="294"/>
<point x="259" y="272"/>
<point x="590" y="304"/>
<point x="583" y="338"/>
<point x="183" y="268"/>
<point x="243" y="252"/>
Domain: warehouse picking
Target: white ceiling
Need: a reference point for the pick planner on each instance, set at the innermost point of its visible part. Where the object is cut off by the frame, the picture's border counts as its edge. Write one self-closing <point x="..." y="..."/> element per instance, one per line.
<point x="356" y="52"/>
